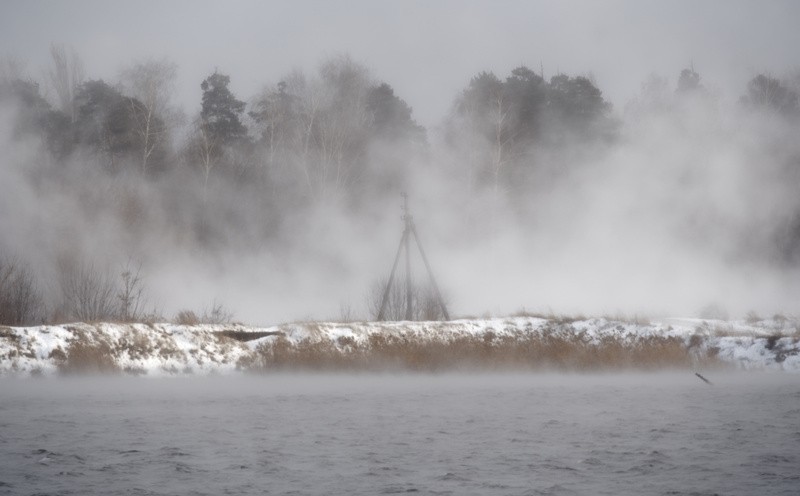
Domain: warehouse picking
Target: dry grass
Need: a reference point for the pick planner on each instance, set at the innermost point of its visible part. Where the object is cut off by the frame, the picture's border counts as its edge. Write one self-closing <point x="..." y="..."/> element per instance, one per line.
<point x="87" y="353"/>
<point x="487" y="352"/>
<point x="214" y="314"/>
<point x="137" y="344"/>
<point x="187" y="318"/>
<point x="86" y="358"/>
<point x="556" y="346"/>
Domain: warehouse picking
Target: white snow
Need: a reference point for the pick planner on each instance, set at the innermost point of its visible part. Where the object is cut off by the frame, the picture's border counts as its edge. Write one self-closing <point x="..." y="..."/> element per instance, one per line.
<point x="168" y="349"/>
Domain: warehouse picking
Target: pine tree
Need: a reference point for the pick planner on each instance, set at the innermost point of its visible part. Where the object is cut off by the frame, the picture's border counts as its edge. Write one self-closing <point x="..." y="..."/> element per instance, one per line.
<point x="221" y="111"/>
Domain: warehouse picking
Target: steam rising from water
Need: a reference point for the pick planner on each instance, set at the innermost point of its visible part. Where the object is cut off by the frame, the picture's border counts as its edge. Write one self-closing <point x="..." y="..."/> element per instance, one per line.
<point x="694" y="205"/>
<point x="685" y="211"/>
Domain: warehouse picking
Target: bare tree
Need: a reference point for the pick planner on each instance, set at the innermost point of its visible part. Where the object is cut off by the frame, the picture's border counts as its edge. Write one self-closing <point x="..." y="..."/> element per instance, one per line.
<point x="216" y="314"/>
<point x="88" y="293"/>
<point x="276" y="122"/>
<point x="65" y="76"/>
<point x="310" y="97"/>
<point x="395" y="303"/>
<point x="130" y="294"/>
<point x="769" y="93"/>
<point x="488" y="113"/>
<point x="342" y="130"/>
<point x="20" y="299"/>
<point x="11" y="68"/>
<point x="327" y="126"/>
<point x="425" y="306"/>
<point x="152" y="83"/>
<point x="503" y="136"/>
<point x="205" y="147"/>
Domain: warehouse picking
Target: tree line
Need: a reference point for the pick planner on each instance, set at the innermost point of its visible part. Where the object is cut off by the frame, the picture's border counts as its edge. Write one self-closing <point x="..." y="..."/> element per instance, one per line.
<point x="336" y="132"/>
<point x="236" y="173"/>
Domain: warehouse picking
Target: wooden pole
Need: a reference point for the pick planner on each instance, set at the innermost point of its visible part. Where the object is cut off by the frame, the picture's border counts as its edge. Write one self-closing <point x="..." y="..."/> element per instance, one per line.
<point x="385" y="300"/>
<point x="405" y="242"/>
<point x="445" y="313"/>
<point x="407" y="231"/>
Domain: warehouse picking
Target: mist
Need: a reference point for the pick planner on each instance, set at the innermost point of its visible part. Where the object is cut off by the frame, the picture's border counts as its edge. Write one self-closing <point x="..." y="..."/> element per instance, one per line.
<point x="655" y="201"/>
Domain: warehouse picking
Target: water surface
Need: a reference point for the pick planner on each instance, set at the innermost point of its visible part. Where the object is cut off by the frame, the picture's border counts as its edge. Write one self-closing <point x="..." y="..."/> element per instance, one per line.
<point x="390" y="434"/>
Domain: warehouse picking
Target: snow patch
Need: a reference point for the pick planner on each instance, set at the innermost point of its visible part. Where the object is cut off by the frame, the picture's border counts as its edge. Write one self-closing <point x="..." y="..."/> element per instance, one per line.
<point x="168" y="349"/>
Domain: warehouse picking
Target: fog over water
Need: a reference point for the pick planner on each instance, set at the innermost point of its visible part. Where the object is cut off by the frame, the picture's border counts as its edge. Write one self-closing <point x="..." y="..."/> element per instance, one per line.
<point x="459" y="434"/>
<point x="641" y="167"/>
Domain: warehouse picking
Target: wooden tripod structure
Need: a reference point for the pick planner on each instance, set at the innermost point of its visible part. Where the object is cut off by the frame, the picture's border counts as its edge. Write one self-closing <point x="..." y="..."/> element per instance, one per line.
<point x="405" y="245"/>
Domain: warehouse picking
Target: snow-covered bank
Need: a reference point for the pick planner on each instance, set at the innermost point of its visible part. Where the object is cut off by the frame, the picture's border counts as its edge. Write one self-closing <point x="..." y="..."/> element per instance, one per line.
<point x="516" y="342"/>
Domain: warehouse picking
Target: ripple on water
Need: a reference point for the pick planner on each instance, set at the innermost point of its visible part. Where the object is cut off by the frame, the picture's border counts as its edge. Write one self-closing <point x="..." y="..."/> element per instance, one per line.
<point x="588" y="437"/>
<point x="399" y="489"/>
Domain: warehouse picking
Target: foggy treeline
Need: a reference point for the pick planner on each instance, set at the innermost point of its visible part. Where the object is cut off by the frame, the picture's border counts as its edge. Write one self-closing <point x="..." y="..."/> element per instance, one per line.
<point x="110" y="192"/>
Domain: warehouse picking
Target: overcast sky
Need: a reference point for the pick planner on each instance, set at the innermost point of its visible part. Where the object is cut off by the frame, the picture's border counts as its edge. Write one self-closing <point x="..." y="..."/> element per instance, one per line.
<point x="427" y="50"/>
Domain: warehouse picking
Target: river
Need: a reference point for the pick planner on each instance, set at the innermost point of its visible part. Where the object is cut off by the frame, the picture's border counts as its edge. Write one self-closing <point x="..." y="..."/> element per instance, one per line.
<point x="483" y="434"/>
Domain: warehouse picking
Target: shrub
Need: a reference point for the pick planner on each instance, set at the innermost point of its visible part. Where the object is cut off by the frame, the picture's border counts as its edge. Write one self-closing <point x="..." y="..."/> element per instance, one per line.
<point x="88" y="358"/>
<point x="88" y="293"/>
<point x="215" y="314"/>
<point x="20" y="299"/>
<point x="92" y="294"/>
<point x="186" y="317"/>
<point x="130" y="293"/>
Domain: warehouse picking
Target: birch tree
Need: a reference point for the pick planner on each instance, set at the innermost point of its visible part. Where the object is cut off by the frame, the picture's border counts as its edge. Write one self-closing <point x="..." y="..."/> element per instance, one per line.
<point x="65" y="76"/>
<point x="152" y="83"/>
<point x="205" y="147"/>
<point x="319" y="125"/>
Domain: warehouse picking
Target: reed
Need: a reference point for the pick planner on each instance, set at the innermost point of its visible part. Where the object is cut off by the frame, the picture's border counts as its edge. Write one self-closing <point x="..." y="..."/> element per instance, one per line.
<point x="487" y="352"/>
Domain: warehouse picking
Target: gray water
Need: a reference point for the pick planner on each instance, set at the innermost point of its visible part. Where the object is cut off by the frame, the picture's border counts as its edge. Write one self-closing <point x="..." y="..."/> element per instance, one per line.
<point x="363" y="435"/>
